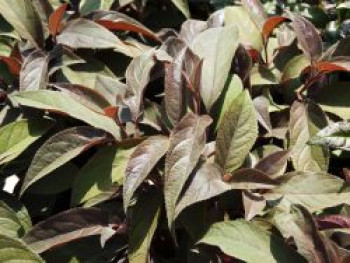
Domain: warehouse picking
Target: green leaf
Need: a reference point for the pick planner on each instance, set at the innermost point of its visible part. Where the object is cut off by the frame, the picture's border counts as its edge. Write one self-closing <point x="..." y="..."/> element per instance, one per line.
<point x="22" y="16"/>
<point x="57" y="101"/>
<point x="187" y="142"/>
<point x="143" y="223"/>
<point x="141" y="162"/>
<point x="248" y="242"/>
<point x="62" y="147"/>
<point x="14" y="250"/>
<point x="313" y="190"/>
<point x="83" y="33"/>
<point x="182" y="5"/>
<point x="17" y="136"/>
<point x="335" y="136"/>
<point x="216" y="46"/>
<point x="34" y="71"/>
<point x="248" y="32"/>
<point x="87" y="6"/>
<point x="105" y="169"/>
<point x="66" y="227"/>
<point x="306" y="119"/>
<point x="237" y="133"/>
<point x="10" y="225"/>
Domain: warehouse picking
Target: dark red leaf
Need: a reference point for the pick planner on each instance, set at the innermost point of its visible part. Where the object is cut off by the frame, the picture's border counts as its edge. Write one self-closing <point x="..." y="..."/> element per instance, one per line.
<point x="333" y="221"/>
<point x="112" y="112"/>
<point x="121" y="25"/>
<point x="271" y="23"/>
<point x="13" y="64"/>
<point x="56" y="19"/>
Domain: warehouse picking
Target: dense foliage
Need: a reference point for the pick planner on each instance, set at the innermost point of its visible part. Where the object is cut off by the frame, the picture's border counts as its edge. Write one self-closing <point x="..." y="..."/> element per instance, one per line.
<point x="139" y="136"/>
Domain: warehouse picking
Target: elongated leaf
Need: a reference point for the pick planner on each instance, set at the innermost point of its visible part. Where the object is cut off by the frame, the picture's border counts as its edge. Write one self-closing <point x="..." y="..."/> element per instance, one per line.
<point x="306" y="120"/>
<point x="256" y="12"/>
<point x="271" y="23"/>
<point x="274" y="164"/>
<point x="34" y="73"/>
<point x="66" y="227"/>
<point x="142" y="161"/>
<point x="336" y="136"/>
<point x="237" y="133"/>
<point x="190" y="29"/>
<point x="249" y="179"/>
<point x="101" y="173"/>
<point x="83" y="33"/>
<point x="187" y="142"/>
<point x="17" y="136"/>
<point x="14" y="250"/>
<point x="111" y="88"/>
<point x="56" y="19"/>
<point x="261" y="105"/>
<point x="62" y="147"/>
<point x="59" y="102"/>
<point x="216" y="46"/>
<point x="308" y="37"/>
<point x="248" y="242"/>
<point x="332" y="221"/>
<point x="22" y="16"/>
<point x="182" y="5"/>
<point x="137" y="77"/>
<point x="87" y="6"/>
<point x="205" y="184"/>
<point x="10" y="225"/>
<point x="143" y="224"/>
<point x="313" y="190"/>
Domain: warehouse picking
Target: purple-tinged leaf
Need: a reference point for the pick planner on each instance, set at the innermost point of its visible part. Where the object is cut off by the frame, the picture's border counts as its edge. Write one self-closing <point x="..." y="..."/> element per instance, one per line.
<point x="187" y="142"/>
<point x="261" y="105"/>
<point x="66" y="227"/>
<point x="332" y="221"/>
<point x="141" y="162"/>
<point x="275" y="164"/>
<point x="190" y="29"/>
<point x="256" y="12"/>
<point x="253" y="203"/>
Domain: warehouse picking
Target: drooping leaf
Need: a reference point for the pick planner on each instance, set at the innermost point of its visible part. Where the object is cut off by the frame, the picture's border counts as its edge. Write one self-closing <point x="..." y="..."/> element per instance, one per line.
<point x="275" y="164"/>
<point x="62" y="147"/>
<point x="34" y="72"/>
<point x="308" y="37"/>
<point x="14" y="250"/>
<point x="66" y="227"/>
<point x="187" y="142"/>
<point x="17" y="136"/>
<point x="216" y="46"/>
<point x="182" y="5"/>
<point x="143" y="223"/>
<point x="103" y="171"/>
<point x="237" y="133"/>
<point x="56" y="19"/>
<point x="141" y="163"/>
<point x="206" y="183"/>
<point x="83" y="33"/>
<point x="271" y="23"/>
<point x="336" y="136"/>
<point x="22" y="16"/>
<point x="137" y="77"/>
<point x="306" y="120"/>
<point x="248" y="242"/>
<point x="59" y="102"/>
<point x="313" y="190"/>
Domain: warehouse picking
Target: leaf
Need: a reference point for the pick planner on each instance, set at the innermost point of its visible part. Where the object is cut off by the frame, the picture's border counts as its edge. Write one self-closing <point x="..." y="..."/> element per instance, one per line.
<point x="308" y="37"/>
<point x="190" y="29"/>
<point x="216" y="46"/>
<point x="34" y="73"/>
<point x="256" y="12"/>
<point x="141" y="162"/>
<point x="66" y="227"/>
<point x="335" y="136"/>
<point x="333" y="221"/>
<point x="14" y="250"/>
<point x="59" y="102"/>
<point x="137" y="76"/>
<point x="17" y="136"/>
<point x="205" y="184"/>
<point x="182" y="5"/>
<point x="306" y="119"/>
<point x="253" y="203"/>
<point x="102" y="172"/>
<point x="262" y="105"/>
<point x="55" y="19"/>
<point x="249" y="242"/>
<point x="10" y="225"/>
<point x="236" y="133"/>
<point x="275" y="164"/>
<point x="180" y="75"/>
<point x="111" y="88"/>
<point x="13" y="64"/>
<point x="271" y="23"/>
<point x="143" y="223"/>
<point x="62" y="147"/>
<point x="87" y="6"/>
<point x="250" y="179"/>
<point x="313" y="190"/>
<point x="83" y="33"/>
<point x="187" y="142"/>
<point x="22" y="16"/>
